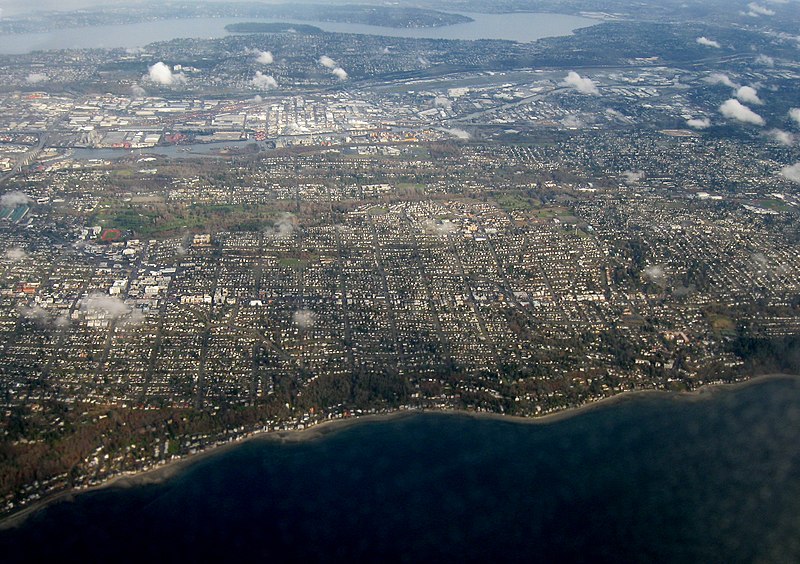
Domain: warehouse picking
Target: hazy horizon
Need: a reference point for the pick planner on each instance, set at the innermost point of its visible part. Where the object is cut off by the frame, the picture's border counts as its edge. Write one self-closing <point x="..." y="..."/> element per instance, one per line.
<point x="21" y="7"/>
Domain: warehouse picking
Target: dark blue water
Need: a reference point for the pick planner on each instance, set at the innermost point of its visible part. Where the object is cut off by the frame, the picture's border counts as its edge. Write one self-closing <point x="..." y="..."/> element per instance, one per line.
<point x="650" y="479"/>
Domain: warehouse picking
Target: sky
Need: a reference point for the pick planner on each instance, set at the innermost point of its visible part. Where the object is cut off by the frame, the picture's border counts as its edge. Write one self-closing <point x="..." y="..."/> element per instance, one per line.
<point x="16" y="7"/>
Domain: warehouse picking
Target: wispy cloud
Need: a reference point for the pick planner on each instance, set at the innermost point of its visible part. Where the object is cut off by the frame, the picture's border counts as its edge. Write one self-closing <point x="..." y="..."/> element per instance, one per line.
<point x="791" y="172"/>
<point x="16" y="254"/>
<point x="781" y="137"/>
<point x="759" y="10"/>
<point x="304" y="318"/>
<point x="699" y="123"/>
<point x="327" y="62"/>
<point x="765" y="60"/>
<point x="14" y="198"/>
<point x="36" y="78"/>
<point x="708" y="42"/>
<point x="720" y="78"/>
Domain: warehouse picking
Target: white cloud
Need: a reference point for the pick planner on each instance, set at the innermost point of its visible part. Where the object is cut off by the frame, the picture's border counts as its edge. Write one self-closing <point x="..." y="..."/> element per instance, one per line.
<point x="162" y="74"/>
<point x="699" y="123"/>
<point x="442" y="102"/>
<point x="36" y="78"/>
<point x="633" y="176"/>
<point x="733" y="109"/>
<point x="265" y="58"/>
<point x="283" y="228"/>
<point x="582" y="85"/>
<point x="264" y="81"/>
<point x="15" y="198"/>
<point x="781" y="137"/>
<point x="105" y="306"/>
<point x="572" y="122"/>
<point x="334" y="67"/>
<point x="719" y="78"/>
<point x="16" y="254"/>
<point x="759" y="10"/>
<point x="304" y="318"/>
<point x="749" y="95"/>
<point x="458" y="133"/>
<point x="327" y="62"/>
<point x="655" y="274"/>
<point x="441" y="228"/>
<point x="765" y="60"/>
<point x="791" y="172"/>
<point x="708" y="42"/>
<point x="794" y="113"/>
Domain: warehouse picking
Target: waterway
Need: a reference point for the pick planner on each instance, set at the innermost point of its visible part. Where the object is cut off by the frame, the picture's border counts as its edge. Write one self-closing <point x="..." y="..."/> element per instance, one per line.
<point x="713" y="477"/>
<point x="522" y="27"/>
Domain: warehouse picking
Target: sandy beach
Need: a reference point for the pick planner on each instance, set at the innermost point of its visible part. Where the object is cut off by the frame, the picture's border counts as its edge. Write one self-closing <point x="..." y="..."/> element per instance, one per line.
<point x="320" y="430"/>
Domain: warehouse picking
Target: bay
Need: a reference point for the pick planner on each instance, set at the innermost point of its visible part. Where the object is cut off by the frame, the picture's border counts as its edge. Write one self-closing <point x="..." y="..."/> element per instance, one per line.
<point x="522" y="27"/>
<point x="649" y="478"/>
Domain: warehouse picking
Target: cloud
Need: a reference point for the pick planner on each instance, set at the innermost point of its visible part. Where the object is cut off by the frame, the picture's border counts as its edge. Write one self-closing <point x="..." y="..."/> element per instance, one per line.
<point x="264" y="57"/>
<point x="16" y="254"/>
<point x="36" y="78"/>
<point x="15" y="198"/>
<point x="304" y="318"/>
<point x="699" y="123"/>
<point x="264" y="81"/>
<point x="655" y="274"/>
<point x="572" y="121"/>
<point x="459" y="133"/>
<point x="719" y="78"/>
<point x="138" y="92"/>
<point x="781" y="137"/>
<point x="439" y="228"/>
<point x="733" y="109"/>
<point x="791" y="172"/>
<point x="759" y="10"/>
<point x="283" y="228"/>
<point x="708" y="42"/>
<point x="442" y="102"/>
<point x="765" y="60"/>
<point x="327" y="62"/>
<point x="334" y="67"/>
<point x="103" y="305"/>
<point x="633" y="176"/>
<point x="794" y="113"/>
<point x="749" y="95"/>
<point x="582" y="85"/>
<point x="35" y="313"/>
<point x="163" y="75"/>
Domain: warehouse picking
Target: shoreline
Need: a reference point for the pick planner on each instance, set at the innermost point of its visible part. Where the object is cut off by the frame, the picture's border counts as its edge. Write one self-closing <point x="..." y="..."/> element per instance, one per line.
<point x="164" y="472"/>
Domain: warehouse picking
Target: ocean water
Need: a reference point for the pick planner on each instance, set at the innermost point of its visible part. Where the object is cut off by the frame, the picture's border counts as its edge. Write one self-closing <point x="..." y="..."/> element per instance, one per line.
<point x="652" y="478"/>
<point x="515" y="27"/>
